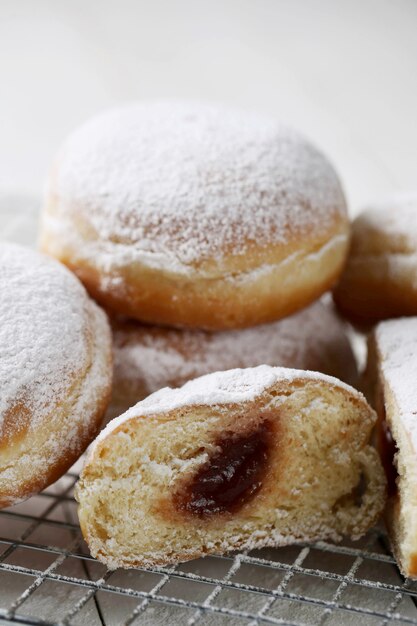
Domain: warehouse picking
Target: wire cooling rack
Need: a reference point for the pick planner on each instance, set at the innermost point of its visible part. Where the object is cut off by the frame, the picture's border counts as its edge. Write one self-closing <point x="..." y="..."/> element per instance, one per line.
<point x="47" y="575"/>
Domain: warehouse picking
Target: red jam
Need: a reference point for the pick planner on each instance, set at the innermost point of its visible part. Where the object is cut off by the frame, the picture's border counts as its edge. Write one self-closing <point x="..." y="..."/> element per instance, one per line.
<point x="230" y="477"/>
<point x="385" y="445"/>
<point x="387" y="449"/>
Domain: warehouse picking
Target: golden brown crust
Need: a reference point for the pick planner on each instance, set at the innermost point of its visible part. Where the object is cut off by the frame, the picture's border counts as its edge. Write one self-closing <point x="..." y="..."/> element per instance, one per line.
<point x="412" y="567"/>
<point x="34" y="457"/>
<point x="378" y="281"/>
<point x="365" y="295"/>
<point x="35" y="483"/>
<point x="245" y="296"/>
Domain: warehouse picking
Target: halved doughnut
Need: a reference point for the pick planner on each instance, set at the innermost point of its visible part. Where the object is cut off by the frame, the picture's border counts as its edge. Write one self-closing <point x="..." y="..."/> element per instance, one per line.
<point x="232" y="460"/>
<point x="391" y="378"/>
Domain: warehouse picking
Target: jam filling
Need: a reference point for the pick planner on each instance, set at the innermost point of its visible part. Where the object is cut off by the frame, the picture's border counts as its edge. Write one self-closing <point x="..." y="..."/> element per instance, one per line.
<point x="231" y="476"/>
<point x="386" y="446"/>
<point x="387" y="449"/>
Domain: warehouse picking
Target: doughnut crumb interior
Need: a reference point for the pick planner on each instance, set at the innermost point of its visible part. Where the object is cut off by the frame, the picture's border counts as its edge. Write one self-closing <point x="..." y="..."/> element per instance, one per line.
<point x="233" y="460"/>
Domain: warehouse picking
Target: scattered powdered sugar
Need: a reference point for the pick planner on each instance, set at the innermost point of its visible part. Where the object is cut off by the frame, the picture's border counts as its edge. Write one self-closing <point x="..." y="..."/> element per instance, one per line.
<point x="396" y="217"/>
<point x="219" y="388"/>
<point x="151" y="358"/>
<point x="174" y="184"/>
<point x="397" y="346"/>
<point x="42" y="331"/>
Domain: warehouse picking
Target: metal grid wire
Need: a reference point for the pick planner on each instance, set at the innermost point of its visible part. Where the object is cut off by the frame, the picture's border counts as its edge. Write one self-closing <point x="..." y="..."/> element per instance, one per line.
<point x="48" y="577"/>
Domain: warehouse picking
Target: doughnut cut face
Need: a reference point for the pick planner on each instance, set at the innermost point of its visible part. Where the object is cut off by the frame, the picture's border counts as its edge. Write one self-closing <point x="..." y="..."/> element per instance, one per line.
<point x="281" y="461"/>
<point x="148" y="358"/>
<point x="55" y="371"/>
<point x="197" y="216"/>
<point x="391" y="374"/>
<point x="380" y="277"/>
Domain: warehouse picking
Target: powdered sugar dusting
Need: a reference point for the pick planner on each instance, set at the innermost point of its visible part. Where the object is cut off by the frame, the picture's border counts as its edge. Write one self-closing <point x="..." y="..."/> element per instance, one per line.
<point x="149" y="358"/>
<point x="42" y="331"/>
<point x="173" y="184"/>
<point x="396" y="217"/>
<point x="219" y="388"/>
<point x="397" y="346"/>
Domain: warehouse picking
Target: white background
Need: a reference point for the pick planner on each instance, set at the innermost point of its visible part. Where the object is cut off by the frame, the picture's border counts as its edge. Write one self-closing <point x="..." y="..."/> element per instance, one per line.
<point x="343" y="71"/>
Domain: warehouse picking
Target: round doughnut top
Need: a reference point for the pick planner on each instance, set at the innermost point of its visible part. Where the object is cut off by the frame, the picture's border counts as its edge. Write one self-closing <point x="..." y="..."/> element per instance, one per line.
<point x="42" y="334"/>
<point x="175" y="184"/>
<point x="393" y="221"/>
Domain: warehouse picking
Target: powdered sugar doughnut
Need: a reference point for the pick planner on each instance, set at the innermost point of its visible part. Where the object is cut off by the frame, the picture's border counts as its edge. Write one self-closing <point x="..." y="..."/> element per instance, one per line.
<point x="380" y="278"/>
<point x="390" y="378"/>
<point x="233" y="460"/>
<point x="147" y="358"/>
<point x="193" y="215"/>
<point x="55" y="371"/>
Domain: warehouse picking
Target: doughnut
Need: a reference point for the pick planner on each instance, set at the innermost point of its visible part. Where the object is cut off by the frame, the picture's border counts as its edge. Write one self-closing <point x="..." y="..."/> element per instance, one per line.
<point x="193" y="215"/>
<point x="147" y="358"/>
<point x="55" y="371"/>
<point x="380" y="278"/>
<point x="391" y="374"/>
<point x="233" y="460"/>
